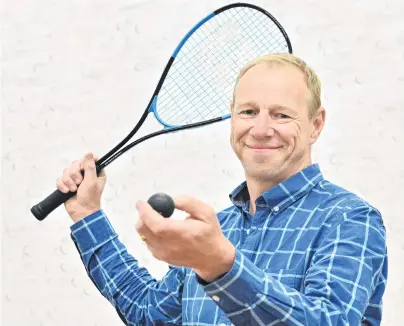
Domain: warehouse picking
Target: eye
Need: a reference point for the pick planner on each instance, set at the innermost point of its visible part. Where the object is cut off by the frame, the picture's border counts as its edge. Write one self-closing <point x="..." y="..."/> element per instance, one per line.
<point x="249" y="112"/>
<point x="281" y="116"/>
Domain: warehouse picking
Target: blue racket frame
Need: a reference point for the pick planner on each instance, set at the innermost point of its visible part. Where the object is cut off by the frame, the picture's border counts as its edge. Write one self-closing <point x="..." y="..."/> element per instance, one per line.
<point x="55" y="199"/>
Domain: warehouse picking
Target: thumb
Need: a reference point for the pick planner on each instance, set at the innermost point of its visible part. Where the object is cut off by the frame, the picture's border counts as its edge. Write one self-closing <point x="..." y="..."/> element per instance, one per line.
<point x="149" y="216"/>
<point x="101" y="174"/>
<point x="195" y="207"/>
<point x="90" y="171"/>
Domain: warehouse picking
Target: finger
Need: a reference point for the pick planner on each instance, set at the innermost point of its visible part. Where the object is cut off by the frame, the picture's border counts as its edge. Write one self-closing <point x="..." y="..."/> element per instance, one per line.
<point x="90" y="172"/>
<point x="101" y="174"/>
<point x="61" y="186"/>
<point x="144" y="232"/>
<point x="153" y="220"/>
<point x="159" y="244"/>
<point x="193" y="206"/>
<point x="76" y="171"/>
<point x="68" y="181"/>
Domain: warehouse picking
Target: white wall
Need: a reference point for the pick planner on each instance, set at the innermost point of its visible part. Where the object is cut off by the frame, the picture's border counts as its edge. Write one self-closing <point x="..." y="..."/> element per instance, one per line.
<point x="77" y="74"/>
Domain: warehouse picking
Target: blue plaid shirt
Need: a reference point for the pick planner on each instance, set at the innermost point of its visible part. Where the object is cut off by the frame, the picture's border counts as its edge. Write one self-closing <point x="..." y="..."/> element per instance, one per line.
<point x="313" y="254"/>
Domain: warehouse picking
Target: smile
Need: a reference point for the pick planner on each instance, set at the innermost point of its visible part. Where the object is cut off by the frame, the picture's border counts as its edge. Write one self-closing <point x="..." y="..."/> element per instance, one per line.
<point x="261" y="149"/>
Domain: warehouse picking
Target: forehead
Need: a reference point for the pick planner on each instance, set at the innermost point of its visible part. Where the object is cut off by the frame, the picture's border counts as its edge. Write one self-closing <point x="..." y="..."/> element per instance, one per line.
<point x="276" y="84"/>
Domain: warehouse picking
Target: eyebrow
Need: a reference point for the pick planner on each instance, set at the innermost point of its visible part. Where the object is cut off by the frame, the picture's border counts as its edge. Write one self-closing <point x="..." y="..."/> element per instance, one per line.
<point x="272" y="107"/>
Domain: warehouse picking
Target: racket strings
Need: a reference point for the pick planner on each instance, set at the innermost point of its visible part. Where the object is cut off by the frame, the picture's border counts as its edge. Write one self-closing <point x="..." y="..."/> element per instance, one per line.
<point x="201" y="79"/>
<point x="209" y="112"/>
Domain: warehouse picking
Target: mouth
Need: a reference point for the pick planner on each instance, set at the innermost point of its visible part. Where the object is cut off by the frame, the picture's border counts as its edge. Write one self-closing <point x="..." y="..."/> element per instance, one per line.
<point x="261" y="148"/>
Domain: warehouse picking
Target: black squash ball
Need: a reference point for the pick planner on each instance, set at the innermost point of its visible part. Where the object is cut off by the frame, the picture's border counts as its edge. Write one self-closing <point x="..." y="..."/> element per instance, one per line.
<point x="162" y="203"/>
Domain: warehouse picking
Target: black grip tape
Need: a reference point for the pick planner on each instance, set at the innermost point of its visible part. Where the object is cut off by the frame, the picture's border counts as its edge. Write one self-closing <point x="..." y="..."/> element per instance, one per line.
<point x="50" y="203"/>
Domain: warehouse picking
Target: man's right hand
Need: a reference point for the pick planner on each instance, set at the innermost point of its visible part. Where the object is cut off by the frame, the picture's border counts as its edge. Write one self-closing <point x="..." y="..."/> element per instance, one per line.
<point x="89" y="189"/>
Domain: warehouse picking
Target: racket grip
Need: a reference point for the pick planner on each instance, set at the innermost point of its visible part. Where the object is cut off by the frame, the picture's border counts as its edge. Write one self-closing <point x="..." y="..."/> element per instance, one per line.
<point x="50" y="203"/>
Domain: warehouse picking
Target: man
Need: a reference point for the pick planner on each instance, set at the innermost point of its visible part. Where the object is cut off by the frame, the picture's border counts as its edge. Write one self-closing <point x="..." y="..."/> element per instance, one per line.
<point x="293" y="249"/>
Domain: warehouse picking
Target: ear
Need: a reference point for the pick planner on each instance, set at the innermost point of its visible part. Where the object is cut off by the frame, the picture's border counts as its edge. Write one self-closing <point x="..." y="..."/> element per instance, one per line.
<point x="318" y="125"/>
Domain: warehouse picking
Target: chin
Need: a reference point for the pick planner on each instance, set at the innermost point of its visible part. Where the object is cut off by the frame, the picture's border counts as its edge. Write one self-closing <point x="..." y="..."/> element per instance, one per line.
<point x="265" y="172"/>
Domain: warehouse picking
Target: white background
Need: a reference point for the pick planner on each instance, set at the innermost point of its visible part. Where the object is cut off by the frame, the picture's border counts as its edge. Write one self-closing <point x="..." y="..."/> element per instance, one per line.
<point x="77" y="74"/>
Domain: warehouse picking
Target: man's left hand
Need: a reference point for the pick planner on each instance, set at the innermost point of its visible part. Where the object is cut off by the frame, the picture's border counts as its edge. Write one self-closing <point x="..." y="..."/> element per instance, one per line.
<point x="196" y="242"/>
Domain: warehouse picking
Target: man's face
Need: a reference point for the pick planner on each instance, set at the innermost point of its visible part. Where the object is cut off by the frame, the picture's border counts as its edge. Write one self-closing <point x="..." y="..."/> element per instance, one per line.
<point x="271" y="130"/>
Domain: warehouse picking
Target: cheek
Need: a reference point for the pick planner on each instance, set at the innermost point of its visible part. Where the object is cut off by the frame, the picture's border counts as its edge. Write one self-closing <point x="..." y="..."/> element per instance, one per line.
<point x="237" y="132"/>
<point x="288" y="132"/>
<point x="232" y="132"/>
<point x="296" y="135"/>
<point x="233" y="138"/>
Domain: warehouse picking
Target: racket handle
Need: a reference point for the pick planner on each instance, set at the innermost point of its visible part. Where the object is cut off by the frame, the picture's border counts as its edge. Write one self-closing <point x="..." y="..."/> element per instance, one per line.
<point x="160" y="202"/>
<point x="50" y="203"/>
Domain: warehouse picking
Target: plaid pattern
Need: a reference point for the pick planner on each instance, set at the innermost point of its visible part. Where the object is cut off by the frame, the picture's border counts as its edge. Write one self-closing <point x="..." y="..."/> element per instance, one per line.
<point x="313" y="254"/>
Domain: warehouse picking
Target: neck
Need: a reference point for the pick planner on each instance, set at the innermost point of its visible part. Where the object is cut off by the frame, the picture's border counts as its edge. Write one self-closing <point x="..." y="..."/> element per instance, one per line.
<point x="258" y="185"/>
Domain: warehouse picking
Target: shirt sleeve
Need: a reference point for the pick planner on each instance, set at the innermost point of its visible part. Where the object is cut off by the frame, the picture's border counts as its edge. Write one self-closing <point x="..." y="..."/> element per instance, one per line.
<point x="138" y="298"/>
<point x="338" y="287"/>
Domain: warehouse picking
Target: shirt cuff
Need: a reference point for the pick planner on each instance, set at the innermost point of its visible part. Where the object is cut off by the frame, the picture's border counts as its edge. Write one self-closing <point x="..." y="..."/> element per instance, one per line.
<point x="238" y="288"/>
<point x="92" y="232"/>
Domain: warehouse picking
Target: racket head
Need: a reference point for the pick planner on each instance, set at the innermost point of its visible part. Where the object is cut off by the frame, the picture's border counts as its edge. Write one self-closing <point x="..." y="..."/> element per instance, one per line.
<point x="197" y="82"/>
<point x="199" y="78"/>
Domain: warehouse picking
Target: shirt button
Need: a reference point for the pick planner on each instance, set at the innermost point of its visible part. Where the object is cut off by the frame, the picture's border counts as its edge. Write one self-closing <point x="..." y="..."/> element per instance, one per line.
<point x="248" y="231"/>
<point x="276" y="208"/>
<point x="215" y="298"/>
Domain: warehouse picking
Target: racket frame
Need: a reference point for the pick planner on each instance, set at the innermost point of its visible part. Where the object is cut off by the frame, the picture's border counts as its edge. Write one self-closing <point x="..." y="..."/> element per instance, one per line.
<point x="46" y="206"/>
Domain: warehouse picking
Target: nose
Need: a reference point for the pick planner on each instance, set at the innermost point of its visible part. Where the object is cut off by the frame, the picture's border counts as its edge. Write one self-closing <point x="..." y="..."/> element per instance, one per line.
<point x="262" y="127"/>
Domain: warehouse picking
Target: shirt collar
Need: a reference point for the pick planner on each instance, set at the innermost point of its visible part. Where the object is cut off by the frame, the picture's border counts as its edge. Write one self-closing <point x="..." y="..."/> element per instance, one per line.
<point x="283" y="194"/>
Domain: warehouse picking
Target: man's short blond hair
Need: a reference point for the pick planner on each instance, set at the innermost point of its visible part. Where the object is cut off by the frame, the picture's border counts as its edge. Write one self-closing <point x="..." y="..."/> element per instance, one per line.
<point x="312" y="80"/>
